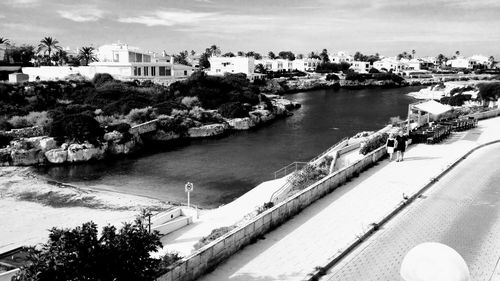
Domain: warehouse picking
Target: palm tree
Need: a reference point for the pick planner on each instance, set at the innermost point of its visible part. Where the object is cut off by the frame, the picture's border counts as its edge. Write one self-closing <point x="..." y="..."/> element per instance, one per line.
<point x="47" y="45"/>
<point x="457" y="53"/>
<point x="413" y="52"/>
<point x="87" y="54"/>
<point x="60" y="57"/>
<point x="4" y="41"/>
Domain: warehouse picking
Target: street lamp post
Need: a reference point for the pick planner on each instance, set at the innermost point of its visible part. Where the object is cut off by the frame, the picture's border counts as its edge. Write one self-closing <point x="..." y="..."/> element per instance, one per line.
<point x="188" y="188"/>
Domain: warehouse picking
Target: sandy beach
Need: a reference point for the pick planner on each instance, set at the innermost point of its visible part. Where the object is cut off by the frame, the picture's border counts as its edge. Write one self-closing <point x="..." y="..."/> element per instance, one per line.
<point x="30" y="206"/>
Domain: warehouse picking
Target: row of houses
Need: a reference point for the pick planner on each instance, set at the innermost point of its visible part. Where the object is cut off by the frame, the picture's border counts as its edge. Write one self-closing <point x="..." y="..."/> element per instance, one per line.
<point x="122" y="62"/>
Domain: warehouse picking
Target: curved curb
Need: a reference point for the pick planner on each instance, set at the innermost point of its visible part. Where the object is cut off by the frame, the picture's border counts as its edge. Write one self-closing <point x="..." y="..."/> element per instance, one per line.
<point x="321" y="270"/>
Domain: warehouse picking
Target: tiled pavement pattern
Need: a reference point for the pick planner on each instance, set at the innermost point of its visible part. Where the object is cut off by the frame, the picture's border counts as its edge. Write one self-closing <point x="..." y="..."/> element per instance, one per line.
<point x="462" y="211"/>
<point x="312" y="237"/>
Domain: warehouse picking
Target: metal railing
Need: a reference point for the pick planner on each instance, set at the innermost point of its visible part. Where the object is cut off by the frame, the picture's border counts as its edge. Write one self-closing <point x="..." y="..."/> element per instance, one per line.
<point x="290" y="168"/>
<point x="328" y="150"/>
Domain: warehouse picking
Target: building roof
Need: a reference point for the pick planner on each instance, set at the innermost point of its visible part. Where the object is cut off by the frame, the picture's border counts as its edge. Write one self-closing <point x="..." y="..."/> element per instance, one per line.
<point x="433" y="107"/>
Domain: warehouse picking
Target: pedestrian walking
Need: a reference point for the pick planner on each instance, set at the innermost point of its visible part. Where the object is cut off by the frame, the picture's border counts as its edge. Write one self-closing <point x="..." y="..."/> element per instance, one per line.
<point x="391" y="145"/>
<point x="401" y="140"/>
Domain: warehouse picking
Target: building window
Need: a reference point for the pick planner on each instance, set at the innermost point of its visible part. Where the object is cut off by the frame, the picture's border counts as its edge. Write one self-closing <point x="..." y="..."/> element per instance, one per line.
<point x="146" y="71"/>
<point x="135" y="71"/>
<point x="153" y="71"/>
<point x="164" y="71"/>
<point x="217" y="70"/>
<point x="186" y="72"/>
<point x="138" y="71"/>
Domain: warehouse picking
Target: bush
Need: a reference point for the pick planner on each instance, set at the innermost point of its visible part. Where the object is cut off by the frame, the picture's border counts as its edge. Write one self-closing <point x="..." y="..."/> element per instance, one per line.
<point x="19" y="122"/>
<point x="5" y="140"/>
<point x="216" y="233"/>
<point x="332" y="77"/>
<point x="141" y="115"/>
<point x="233" y="110"/>
<point x="306" y="176"/>
<point x="41" y="119"/>
<point x="76" y="127"/>
<point x="190" y="102"/>
<point x="102" y="78"/>
<point x="4" y="124"/>
<point x="374" y="143"/>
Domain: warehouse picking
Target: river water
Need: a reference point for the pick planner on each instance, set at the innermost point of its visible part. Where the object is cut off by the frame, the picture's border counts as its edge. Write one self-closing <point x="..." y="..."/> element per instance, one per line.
<point x="223" y="169"/>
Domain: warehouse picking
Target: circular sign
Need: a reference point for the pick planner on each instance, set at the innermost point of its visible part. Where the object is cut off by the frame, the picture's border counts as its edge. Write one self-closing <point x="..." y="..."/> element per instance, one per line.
<point x="189" y="187"/>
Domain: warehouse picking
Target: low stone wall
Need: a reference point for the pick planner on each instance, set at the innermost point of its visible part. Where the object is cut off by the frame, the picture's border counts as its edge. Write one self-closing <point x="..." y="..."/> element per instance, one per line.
<point x="143" y="128"/>
<point x="208" y="257"/>
<point x="486" y="114"/>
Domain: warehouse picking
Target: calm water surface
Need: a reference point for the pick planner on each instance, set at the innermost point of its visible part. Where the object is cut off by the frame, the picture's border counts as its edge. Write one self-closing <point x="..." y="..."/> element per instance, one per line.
<point x="223" y="169"/>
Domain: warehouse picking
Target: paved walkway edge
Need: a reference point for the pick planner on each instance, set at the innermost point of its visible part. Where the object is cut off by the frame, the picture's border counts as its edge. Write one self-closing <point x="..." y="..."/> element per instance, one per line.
<point x="321" y="270"/>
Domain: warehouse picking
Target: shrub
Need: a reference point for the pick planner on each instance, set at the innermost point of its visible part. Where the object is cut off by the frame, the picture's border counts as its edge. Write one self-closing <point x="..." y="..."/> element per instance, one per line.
<point x="233" y="110"/>
<point x="102" y="78"/>
<point x="395" y="120"/>
<point x="190" y="102"/>
<point x="167" y="107"/>
<point x="4" y="124"/>
<point x="216" y="233"/>
<point x="19" y="122"/>
<point x="5" y="140"/>
<point x="374" y="143"/>
<point x="41" y="119"/>
<point x="141" y="115"/>
<point x="334" y="77"/>
<point x="76" y="127"/>
<point x="306" y="176"/>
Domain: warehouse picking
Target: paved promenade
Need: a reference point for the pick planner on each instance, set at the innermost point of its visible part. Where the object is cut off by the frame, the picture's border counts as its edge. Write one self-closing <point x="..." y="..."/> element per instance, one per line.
<point x="462" y="210"/>
<point x="312" y="237"/>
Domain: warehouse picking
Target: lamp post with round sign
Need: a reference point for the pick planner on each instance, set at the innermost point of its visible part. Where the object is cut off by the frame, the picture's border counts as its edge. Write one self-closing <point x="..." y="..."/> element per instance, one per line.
<point x="188" y="188"/>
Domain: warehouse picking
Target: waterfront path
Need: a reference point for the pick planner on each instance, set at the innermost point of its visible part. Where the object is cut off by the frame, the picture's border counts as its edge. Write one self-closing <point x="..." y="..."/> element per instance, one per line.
<point x="462" y="210"/>
<point x="312" y="237"/>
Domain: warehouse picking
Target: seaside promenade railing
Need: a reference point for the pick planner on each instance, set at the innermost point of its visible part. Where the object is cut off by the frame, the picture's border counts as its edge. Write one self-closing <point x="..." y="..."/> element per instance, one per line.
<point x="290" y="168"/>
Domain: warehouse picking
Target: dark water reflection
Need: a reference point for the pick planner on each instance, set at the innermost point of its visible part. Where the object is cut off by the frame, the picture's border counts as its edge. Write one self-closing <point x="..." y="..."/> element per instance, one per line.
<point x="223" y="169"/>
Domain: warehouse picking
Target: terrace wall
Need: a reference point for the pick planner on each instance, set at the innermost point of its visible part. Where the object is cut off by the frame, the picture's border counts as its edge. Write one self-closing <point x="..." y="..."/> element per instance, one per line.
<point x="208" y="257"/>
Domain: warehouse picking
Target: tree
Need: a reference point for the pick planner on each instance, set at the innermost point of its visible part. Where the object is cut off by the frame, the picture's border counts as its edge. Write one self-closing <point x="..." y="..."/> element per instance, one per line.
<point x="60" y="57"/>
<point x="257" y="56"/>
<point x="211" y="51"/>
<point x="81" y="254"/>
<point x="240" y="54"/>
<point x="413" y="52"/>
<point x="491" y="60"/>
<point x="87" y="55"/>
<point x="324" y="56"/>
<point x="4" y="40"/>
<point x="229" y="54"/>
<point x="271" y="55"/>
<point x="457" y="53"/>
<point x="313" y="55"/>
<point x="47" y="45"/>
<point x="287" y="55"/>
<point x="22" y="54"/>
<point x="214" y="50"/>
<point x="441" y="58"/>
<point x="193" y="53"/>
<point x="300" y="56"/>
<point x="182" y="58"/>
<point x="259" y="68"/>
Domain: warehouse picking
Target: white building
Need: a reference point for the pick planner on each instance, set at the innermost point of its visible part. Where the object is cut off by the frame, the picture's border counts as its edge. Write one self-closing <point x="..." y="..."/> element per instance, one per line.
<point x="361" y="66"/>
<point x="123" y="63"/>
<point x="341" y="57"/>
<point x="222" y="65"/>
<point x="307" y="64"/>
<point x="3" y="51"/>
<point x="276" y="64"/>
<point x="389" y="64"/>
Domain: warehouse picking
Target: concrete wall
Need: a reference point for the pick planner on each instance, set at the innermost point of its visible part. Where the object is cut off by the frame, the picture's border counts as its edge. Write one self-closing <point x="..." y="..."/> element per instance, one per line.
<point x="208" y="257"/>
<point x="143" y="128"/>
<point x="486" y="114"/>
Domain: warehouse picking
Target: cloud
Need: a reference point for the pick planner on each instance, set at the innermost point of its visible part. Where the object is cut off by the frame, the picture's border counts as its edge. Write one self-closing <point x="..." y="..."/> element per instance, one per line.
<point x="28" y="28"/>
<point x="82" y="13"/>
<point x="22" y="3"/>
<point x="169" y="18"/>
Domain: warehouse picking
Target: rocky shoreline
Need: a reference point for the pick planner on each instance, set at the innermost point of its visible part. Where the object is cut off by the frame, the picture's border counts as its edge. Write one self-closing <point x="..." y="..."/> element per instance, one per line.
<point x="31" y="147"/>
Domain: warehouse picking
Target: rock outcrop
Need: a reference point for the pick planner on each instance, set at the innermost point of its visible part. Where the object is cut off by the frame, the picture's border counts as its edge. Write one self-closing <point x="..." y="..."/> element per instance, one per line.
<point x="85" y="152"/>
<point x="241" y="123"/>
<point x="57" y="155"/>
<point x="207" y="130"/>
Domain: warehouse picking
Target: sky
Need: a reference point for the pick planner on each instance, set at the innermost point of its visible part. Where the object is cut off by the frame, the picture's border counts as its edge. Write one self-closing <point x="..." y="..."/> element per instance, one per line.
<point x="388" y="27"/>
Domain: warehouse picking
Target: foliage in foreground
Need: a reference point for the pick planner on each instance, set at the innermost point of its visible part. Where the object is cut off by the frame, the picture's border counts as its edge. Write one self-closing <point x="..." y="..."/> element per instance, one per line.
<point x="374" y="143"/>
<point x="216" y="233"/>
<point x="81" y="254"/>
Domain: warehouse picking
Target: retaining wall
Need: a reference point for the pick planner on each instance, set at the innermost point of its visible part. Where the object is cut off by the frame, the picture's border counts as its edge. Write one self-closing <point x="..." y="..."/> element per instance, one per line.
<point x="486" y="114"/>
<point x="208" y="257"/>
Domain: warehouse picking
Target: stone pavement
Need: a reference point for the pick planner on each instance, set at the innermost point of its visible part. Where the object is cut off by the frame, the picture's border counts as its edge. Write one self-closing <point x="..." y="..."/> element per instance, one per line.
<point x="313" y="236"/>
<point x="462" y="210"/>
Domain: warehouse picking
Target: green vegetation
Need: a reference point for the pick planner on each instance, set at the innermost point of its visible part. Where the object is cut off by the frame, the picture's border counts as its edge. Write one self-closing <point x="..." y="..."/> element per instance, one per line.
<point x="489" y="91"/>
<point x="77" y="110"/>
<point x="82" y="254"/>
<point x="374" y="143"/>
<point x="216" y="233"/>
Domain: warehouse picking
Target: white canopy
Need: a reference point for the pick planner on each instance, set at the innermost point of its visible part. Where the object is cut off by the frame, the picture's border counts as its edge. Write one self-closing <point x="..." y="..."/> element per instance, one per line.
<point x="433" y="107"/>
